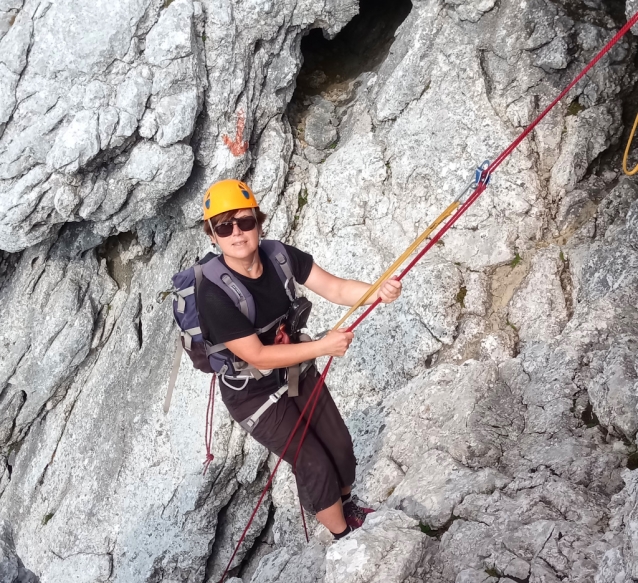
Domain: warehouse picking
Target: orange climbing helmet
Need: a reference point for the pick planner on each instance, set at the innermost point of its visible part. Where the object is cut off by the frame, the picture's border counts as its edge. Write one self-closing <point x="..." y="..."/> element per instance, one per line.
<point x="228" y="195"/>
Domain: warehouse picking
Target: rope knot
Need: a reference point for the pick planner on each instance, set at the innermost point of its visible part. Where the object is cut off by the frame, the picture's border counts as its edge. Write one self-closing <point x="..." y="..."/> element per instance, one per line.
<point x="209" y="458"/>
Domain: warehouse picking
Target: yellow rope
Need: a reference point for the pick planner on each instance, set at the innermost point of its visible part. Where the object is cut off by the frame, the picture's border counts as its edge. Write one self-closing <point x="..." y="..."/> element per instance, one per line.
<point x="388" y="272"/>
<point x="624" y="161"/>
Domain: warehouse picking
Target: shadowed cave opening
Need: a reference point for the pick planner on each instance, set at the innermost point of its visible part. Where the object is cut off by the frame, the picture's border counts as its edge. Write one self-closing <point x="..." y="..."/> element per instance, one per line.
<point x="330" y="67"/>
<point x="362" y="45"/>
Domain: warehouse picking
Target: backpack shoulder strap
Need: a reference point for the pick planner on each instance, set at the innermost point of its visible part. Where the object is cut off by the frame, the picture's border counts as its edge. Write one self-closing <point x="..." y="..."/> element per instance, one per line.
<point x="276" y="252"/>
<point x="216" y="272"/>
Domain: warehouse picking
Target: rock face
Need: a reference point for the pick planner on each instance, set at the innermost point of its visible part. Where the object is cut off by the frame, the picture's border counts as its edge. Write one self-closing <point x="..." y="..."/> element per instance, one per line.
<point x="494" y="407"/>
<point x="11" y="568"/>
<point x="387" y="548"/>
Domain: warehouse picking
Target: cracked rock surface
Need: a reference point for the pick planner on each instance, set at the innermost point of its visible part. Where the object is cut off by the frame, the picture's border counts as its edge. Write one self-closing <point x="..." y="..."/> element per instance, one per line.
<point x="494" y="407"/>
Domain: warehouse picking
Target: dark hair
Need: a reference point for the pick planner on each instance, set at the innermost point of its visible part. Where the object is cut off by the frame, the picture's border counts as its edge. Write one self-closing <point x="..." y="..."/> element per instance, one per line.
<point x="228" y="215"/>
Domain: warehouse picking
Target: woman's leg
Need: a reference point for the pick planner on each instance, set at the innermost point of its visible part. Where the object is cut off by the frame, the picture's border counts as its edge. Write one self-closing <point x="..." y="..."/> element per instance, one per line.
<point x="318" y="483"/>
<point x="332" y="518"/>
<point x="329" y="429"/>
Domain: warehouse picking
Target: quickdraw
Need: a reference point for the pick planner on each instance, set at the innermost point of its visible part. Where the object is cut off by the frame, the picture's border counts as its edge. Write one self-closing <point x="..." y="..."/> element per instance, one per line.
<point x="453" y="212"/>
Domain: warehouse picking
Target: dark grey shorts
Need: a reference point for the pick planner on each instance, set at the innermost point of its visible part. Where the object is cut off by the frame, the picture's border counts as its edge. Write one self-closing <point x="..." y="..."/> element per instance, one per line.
<point x="326" y="463"/>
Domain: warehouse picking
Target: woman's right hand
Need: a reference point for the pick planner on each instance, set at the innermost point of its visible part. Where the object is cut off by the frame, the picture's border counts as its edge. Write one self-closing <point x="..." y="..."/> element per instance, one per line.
<point x="336" y="342"/>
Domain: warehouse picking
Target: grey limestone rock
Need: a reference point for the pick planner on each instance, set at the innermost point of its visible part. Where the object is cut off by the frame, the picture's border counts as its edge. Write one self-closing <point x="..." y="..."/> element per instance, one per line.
<point x="389" y="547"/>
<point x="431" y="489"/>
<point x="70" y="132"/>
<point x="308" y="566"/>
<point x="494" y="402"/>
<point x="538" y="308"/>
<point x="320" y="131"/>
<point x="11" y="568"/>
<point x="619" y="563"/>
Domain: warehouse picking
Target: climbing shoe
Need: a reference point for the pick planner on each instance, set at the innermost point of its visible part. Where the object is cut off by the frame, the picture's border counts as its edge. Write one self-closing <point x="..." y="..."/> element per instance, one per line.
<point x="354" y="514"/>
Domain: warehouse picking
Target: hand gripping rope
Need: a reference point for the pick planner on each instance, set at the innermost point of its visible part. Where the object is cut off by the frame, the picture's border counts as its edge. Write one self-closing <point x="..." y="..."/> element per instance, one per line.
<point x="455" y="211"/>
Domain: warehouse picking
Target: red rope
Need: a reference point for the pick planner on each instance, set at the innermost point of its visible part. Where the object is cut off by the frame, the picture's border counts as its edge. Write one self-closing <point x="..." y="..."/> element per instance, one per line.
<point x="462" y="209"/>
<point x="622" y="32"/>
<point x="208" y="434"/>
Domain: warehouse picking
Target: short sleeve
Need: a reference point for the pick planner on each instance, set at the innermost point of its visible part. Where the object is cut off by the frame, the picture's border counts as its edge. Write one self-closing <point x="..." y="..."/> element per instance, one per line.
<point x="300" y="263"/>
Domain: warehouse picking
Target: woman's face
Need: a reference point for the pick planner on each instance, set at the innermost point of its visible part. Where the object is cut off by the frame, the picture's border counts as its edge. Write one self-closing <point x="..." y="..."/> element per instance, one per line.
<point x="241" y="244"/>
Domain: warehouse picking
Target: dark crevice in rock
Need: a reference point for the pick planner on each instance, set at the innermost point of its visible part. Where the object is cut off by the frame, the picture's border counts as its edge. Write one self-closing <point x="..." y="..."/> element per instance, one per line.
<point x="437" y="533"/>
<point x="8" y="263"/>
<point x="138" y="324"/>
<point x="107" y="158"/>
<point x="330" y="67"/>
<point x="217" y="540"/>
<point x="263" y="545"/>
<point x="362" y="45"/>
<point x="430" y="360"/>
<point x="75" y="239"/>
<point x="111" y="250"/>
<point x="487" y="78"/>
<point x="616" y="9"/>
<point x="584" y="12"/>
<point x="567" y="286"/>
<point x="590" y="419"/>
<point x="9" y="414"/>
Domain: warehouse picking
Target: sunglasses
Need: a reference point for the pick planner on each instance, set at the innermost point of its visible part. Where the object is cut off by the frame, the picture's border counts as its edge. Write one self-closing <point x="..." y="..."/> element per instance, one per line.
<point x="226" y="229"/>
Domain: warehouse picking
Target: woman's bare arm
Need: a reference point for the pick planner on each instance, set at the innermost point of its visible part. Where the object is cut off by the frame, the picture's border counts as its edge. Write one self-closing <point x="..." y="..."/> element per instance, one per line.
<point x="251" y="350"/>
<point x="346" y="292"/>
<point x="336" y="290"/>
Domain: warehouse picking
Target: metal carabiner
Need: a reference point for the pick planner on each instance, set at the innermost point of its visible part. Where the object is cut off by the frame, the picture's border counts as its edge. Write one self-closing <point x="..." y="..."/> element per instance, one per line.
<point x="481" y="176"/>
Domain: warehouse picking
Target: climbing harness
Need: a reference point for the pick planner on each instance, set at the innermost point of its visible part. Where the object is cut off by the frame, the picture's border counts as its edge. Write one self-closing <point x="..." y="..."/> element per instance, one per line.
<point x="454" y="212"/>
<point x="627" y="150"/>
<point x="250" y="423"/>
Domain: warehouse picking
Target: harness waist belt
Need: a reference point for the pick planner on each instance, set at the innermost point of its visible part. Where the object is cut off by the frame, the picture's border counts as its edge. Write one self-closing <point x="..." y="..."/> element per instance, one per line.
<point x="250" y="423"/>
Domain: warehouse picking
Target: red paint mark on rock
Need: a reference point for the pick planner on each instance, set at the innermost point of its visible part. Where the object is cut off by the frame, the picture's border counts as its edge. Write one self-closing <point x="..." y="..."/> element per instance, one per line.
<point x="237" y="147"/>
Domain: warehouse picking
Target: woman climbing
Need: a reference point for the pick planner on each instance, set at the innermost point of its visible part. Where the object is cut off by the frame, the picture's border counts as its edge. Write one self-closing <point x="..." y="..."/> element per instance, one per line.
<point x="253" y="390"/>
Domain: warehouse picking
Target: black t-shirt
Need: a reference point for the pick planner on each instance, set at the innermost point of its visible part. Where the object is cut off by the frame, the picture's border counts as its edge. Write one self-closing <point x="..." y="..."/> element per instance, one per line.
<point x="221" y="321"/>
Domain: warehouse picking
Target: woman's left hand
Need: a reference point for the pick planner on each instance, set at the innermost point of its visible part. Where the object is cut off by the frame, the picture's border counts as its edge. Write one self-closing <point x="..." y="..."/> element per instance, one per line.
<point x="390" y="290"/>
